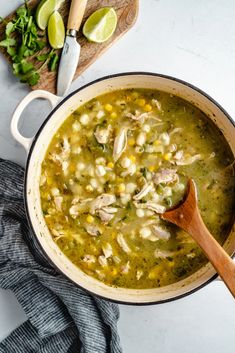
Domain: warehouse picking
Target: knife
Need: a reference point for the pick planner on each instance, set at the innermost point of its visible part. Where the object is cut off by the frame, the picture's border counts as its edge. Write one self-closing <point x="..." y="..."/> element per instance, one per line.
<point x="71" y="50"/>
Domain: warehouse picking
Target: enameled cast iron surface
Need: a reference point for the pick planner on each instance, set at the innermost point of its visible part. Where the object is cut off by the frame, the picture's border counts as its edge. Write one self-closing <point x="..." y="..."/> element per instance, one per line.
<point x="36" y="155"/>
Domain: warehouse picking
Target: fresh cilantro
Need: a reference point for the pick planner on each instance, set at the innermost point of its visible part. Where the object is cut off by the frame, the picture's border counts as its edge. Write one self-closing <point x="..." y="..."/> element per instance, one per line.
<point x="33" y="78"/>
<point x="42" y="57"/>
<point x="26" y="66"/>
<point x="144" y="171"/>
<point x="9" y="28"/>
<point x="11" y="51"/>
<point x="8" y="42"/>
<point x="51" y="59"/>
<point x="21" y="42"/>
<point x="52" y="65"/>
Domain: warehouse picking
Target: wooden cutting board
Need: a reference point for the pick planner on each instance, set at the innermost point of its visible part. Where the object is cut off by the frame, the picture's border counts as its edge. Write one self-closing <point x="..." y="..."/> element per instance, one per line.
<point x="127" y="11"/>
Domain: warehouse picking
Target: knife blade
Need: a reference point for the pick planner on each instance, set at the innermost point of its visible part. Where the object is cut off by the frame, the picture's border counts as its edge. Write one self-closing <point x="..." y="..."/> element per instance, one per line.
<point x="71" y="51"/>
<point x="68" y="64"/>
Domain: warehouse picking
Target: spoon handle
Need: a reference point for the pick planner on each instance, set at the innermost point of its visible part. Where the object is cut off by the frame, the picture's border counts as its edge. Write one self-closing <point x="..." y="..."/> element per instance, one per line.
<point x="187" y="216"/>
<point x="221" y="261"/>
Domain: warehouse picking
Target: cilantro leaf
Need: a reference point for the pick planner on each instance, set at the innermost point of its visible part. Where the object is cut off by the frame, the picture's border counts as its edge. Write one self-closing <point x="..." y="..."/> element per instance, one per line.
<point x="10" y="27"/>
<point x="26" y="66"/>
<point x="22" y="12"/>
<point x="34" y="78"/>
<point x="40" y="44"/>
<point x="42" y="57"/>
<point x="52" y="65"/>
<point x="11" y="51"/>
<point x="16" y="68"/>
<point x="22" y="41"/>
<point x="8" y="42"/>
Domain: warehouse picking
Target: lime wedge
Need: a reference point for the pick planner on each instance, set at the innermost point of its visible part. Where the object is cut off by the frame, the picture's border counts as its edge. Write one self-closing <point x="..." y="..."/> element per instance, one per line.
<point x="44" y="11"/>
<point x="101" y="25"/>
<point x="56" y="30"/>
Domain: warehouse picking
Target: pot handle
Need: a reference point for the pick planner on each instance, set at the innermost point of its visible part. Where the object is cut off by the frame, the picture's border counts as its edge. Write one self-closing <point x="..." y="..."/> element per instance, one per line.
<point x="25" y="141"/>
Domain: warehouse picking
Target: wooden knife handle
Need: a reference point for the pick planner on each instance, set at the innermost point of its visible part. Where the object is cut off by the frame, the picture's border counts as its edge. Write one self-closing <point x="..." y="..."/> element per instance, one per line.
<point x="76" y="14"/>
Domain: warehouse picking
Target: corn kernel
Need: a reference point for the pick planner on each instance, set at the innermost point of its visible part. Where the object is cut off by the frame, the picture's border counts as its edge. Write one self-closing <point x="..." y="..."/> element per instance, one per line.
<point x="167" y="156"/>
<point x="108" y="107"/>
<point x="135" y="95"/>
<point x="148" y="108"/>
<point x="120" y="180"/>
<point x="152" y="275"/>
<point x="121" y="187"/>
<point x="114" y="272"/>
<point x="49" y="180"/>
<point x="133" y="158"/>
<point x="157" y="143"/>
<point x="171" y="263"/>
<point x="113" y="115"/>
<point x="72" y="168"/>
<point x="89" y="188"/>
<point x="128" y="98"/>
<point x="90" y="219"/>
<point x="151" y="168"/>
<point x="131" y="141"/>
<point x="110" y="165"/>
<point x="141" y="102"/>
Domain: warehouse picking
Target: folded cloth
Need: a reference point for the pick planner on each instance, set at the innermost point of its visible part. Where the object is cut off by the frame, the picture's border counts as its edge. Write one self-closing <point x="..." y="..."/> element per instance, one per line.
<point x="61" y="317"/>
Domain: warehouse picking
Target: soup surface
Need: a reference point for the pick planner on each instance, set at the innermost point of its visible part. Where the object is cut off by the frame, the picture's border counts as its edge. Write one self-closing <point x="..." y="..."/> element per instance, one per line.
<point x="114" y="166"/>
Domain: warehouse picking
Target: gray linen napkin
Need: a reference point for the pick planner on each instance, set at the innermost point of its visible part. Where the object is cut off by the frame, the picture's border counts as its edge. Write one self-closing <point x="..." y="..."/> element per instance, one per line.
<point x="61" y="317"/>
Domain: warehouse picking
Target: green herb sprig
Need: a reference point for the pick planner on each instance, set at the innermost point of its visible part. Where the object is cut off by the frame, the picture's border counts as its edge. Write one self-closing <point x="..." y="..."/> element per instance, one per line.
<point x="23" y="41"/>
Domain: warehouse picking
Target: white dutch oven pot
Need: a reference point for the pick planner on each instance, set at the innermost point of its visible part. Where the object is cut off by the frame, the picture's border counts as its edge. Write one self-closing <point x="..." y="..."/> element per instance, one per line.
<point x="36" y="148"/>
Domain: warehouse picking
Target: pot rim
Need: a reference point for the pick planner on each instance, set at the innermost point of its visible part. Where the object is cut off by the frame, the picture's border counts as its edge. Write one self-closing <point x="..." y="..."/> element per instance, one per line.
<point x="131" y="73"/>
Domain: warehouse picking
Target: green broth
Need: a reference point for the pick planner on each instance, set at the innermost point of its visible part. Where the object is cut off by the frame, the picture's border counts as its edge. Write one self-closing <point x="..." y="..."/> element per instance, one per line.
<point x="137" y="148"/>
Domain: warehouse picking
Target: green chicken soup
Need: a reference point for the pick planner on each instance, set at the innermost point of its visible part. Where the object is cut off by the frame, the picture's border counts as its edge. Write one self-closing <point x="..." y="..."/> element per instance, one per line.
<point x="114" y="166"/>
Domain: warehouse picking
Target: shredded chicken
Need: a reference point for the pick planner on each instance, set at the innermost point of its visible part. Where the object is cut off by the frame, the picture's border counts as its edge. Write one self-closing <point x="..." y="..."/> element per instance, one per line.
<point x="120" y="143"/>
<point x="188" y="160"/>
<point x="157" y="104"/>
<point x="138" y="116"/>
<point x="175" y="131"/>
<point x="179" y="155"/>
<point x="57" y="234"/>
<point x="122" y="243"/>
<point x="103" y="261"/>
<point x="147" y="188"/>
<point x="160" y="232"/>
<point x="93" y="230"/>
<point x="150" y="205"/>
<point x="89" y="259"/>
<point x="139" y="274"/>
<point x="58" y="202"/>
<point x="102" y="134"/>
<point x="62" y="158"/>
<point x="106" y="214"/>
<point x="107" y="250"/>
<point x="105" y="217"/>
<point x="126" y="268"/>
<point x="165" y="176"/>
<point x="101" y="201"/>
<point x="163" y="253"/>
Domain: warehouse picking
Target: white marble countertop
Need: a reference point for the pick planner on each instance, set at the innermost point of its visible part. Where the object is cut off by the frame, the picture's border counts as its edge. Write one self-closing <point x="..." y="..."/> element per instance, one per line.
<point x="190" y="39"/>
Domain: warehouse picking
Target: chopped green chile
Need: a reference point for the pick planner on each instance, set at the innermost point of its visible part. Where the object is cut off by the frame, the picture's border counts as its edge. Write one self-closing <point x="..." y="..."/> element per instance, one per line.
<point x="114" y="166"/>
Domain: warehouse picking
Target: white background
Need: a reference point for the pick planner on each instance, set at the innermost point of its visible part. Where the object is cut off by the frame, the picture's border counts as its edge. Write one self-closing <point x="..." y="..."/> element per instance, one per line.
<point x="193" y="40"/>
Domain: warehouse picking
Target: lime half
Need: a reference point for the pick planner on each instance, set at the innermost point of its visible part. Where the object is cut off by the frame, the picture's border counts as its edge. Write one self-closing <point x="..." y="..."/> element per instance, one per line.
<point x="44" y="11"/>
<point x="101" y="25"/>
<point x="56" y="30"/>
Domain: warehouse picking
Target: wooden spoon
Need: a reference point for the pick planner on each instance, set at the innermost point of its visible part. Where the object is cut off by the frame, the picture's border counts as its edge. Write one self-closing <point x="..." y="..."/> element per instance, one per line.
<point x="186" y="215"/>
